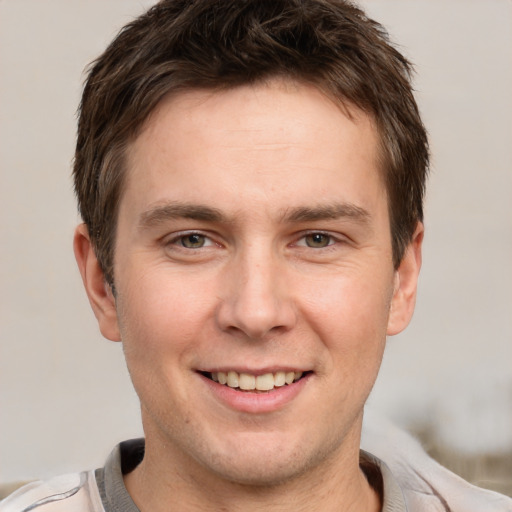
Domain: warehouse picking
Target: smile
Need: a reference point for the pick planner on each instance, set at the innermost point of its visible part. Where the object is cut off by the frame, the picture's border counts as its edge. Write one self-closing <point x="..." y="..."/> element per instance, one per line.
<point x="248" y="382"/>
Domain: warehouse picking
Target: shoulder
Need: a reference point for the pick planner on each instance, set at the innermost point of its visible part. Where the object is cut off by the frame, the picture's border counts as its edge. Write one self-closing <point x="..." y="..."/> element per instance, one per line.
<point x="75" y="492"/>
<point x="425" y="484"/>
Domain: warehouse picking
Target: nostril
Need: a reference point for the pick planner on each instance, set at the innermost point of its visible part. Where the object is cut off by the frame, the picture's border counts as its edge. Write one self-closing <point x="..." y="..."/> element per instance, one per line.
<point x="256" y="308"/>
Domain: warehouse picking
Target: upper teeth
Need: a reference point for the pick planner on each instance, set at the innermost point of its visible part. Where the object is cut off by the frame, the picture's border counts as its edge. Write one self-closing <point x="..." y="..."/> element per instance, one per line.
<point x="248" y="382"/>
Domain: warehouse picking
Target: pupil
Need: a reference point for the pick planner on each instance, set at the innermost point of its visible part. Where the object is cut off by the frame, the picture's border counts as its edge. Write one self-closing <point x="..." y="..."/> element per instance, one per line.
<point x="193" y="241"/>
<point x="318" y="240"/>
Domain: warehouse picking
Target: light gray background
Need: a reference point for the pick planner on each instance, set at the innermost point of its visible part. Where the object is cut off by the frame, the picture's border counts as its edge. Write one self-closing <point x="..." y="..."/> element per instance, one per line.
<point x="65" y="397"/>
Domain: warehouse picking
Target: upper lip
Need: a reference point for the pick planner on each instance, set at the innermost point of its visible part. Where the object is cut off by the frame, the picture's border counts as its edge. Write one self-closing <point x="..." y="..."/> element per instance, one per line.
<point x="254" y="371"/>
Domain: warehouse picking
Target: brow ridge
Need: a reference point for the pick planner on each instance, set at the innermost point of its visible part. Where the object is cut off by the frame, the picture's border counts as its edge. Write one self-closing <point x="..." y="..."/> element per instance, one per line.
<point x="326" y="212"/>
<point x="161" y="213"/>
<point x="176" y="210"/>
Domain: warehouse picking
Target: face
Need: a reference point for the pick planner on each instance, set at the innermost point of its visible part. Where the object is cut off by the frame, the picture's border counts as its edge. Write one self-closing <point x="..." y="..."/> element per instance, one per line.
<point x="253" y="247"/>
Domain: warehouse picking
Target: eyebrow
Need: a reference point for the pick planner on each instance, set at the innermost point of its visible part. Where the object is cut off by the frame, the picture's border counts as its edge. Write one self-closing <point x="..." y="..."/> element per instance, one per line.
<point x="174" y="210"/>
<point x="326" y="212"/>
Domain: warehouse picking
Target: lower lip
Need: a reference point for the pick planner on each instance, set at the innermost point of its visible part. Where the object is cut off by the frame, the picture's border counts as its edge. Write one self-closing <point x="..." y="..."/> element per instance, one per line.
<point x="256" y="402"/>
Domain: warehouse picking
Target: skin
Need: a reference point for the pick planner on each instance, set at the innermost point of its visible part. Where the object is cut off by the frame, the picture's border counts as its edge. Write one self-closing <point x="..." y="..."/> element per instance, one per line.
<point x="290" y="267"/>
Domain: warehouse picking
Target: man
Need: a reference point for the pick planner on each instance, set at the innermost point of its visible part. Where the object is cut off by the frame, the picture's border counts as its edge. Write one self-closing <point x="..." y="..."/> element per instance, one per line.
<point x="250" y="176"/>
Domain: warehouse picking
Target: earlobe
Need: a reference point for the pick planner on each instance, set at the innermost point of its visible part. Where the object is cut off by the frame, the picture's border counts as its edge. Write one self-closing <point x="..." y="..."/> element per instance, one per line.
<point x="98" y="290"/>
<point x="406" y="284"/>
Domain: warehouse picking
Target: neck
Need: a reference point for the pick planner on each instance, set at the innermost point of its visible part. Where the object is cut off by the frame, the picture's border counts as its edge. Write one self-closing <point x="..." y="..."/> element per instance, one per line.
<point x="163" y="481"/>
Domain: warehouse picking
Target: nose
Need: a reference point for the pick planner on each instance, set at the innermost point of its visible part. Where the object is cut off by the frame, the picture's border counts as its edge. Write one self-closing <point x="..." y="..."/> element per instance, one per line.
<point x="256" y="297"/>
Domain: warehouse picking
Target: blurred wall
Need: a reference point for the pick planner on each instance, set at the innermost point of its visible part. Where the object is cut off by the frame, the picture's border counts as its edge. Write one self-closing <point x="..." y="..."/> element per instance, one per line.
<point x="65" y="397"/>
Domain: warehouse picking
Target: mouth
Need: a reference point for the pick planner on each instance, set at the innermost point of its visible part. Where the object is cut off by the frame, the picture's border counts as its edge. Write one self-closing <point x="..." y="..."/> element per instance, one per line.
<point x="255" y="383"/>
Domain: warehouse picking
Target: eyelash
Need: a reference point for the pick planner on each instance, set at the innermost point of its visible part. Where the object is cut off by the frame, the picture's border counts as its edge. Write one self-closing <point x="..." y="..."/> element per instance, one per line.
<point x="178" y="239"/>
<point x="332" y="240"/>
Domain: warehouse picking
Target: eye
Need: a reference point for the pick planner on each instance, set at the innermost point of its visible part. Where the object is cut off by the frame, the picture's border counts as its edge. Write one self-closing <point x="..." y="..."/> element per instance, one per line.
<point x="191" y="246"/>
<point x="193" y="241"/>
<point x="317" y="240"/>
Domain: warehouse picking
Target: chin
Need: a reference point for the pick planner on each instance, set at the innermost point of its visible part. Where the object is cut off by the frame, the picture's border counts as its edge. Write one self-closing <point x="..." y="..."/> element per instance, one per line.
<point x="261" y="473"/>
<point x="267" y="465"/>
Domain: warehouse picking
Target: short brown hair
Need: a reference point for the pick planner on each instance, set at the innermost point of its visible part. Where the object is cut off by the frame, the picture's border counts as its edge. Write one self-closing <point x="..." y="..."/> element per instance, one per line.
<point x="216" y="44"/>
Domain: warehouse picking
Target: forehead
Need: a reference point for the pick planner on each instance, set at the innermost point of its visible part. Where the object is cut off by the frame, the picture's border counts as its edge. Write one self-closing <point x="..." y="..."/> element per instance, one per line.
<point x="273" y="140"/>
<point x="293" y="108"/>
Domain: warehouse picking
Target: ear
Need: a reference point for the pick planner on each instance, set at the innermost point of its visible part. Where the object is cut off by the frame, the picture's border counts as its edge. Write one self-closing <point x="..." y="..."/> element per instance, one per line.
<point x="98" y="290"/>
<point x="406" y="284"/>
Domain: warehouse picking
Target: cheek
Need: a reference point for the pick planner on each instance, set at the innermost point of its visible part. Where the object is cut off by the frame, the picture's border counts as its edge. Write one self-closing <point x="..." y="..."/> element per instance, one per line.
<point x="161" y="318"/>
<point x="350" y="316"/>
<point x="349" y="303"/>
<point x="160" y="326"/>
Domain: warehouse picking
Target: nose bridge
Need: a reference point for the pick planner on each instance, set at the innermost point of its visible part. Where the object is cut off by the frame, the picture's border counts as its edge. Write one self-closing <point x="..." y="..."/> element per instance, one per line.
<point x="258" y="300"/>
